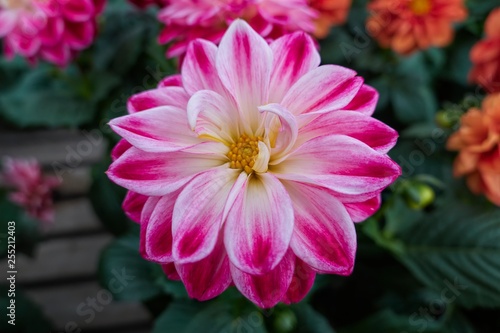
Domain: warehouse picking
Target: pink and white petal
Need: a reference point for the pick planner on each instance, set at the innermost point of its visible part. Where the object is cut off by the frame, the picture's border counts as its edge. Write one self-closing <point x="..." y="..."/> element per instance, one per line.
<point x="268" y="289"/>
<point x="302" y="282"/>
<point x="262" y="161"/>
<point x="324" y="236"/>
<point x="198" y="214"/>
<point x="171" y="272"/>
<point x="365" y="101"/>
<point x="171" y="81"/>
<point x="347" y="166"/>
<point x="360" y="211"/>
<point x="168" y="96"/>
<point x="99" y="6"/>
<point x="244" y="62"/>
<point x="52" y="32"/>
<point x="77" y="10"/>
<point x="198" y="69"/>
<point x="294" y="55"/>
<point x="29" y="46"/>
<point x="146" y="213"/>
<point x="366" y="129"/>
<point x="259" y="226"/>
<point x="208" y="277"/>
<point x="79" y="35"/>
<point x="282" y="138"/>
<point x="9" y="50"/>
<point x="158" y="238"/>
<point x="121" y="147"/>
<point x="59" y="54"/>
<point x="162" y="129"/>
<point x="8" y="20"/>
<point x="211" y="115"/>
<point x="157" y="174"/>
<point x="322" y="89"/>
<point x="133" y="204"/>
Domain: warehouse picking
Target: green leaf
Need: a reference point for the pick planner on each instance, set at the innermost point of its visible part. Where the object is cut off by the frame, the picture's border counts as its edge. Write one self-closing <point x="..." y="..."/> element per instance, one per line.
<point x="457" y="250"/>
<point x="44" y="97"/>
<point x="310" y="321"/>
<point x="106" y="198"/>
<point x="413" y="103"/>
<point x="388" y="321"/>
<point x="11" y="71"/>
<point x="174" y="288"/>
<point x="126" y="274"/>
<point x="27" y="233"/>
<point x="459" y="324"/>
<point x="177" y="316"/>
<point x="459" y="63"/>
<point x="121" y="40"/>
<point x="383" y="86"/>
<point x="185" y="316"/>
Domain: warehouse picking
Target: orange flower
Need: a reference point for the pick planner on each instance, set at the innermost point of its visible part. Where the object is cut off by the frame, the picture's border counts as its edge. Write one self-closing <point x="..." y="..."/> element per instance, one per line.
<point x="485" y="56"/>
<point x="331" y="12"/>
<point x="410" y="25"/>
<point x="478" y="143"/>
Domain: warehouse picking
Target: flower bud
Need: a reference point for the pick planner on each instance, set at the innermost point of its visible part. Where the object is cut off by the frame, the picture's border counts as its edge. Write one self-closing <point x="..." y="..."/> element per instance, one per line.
<point x="285" y="321"/>
<point x="419" y="195"/>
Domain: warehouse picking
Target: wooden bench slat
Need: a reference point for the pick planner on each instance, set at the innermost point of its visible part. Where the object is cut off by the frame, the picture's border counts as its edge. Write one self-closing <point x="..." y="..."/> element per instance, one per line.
<point x="71" y="304"/>
<point x="73" y="216"/>
<point x="61" y="258"/>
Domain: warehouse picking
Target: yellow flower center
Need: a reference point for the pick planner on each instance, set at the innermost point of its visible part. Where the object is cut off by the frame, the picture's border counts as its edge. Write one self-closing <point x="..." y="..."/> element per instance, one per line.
<point x="243" y="153"/>
<point x="420" y="7"/>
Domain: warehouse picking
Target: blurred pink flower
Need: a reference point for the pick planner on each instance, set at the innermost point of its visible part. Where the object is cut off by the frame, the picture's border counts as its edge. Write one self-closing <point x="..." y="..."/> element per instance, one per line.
<point x="187" y="20"/>
<point x="31" y="190"/>
<point x="52" y="30"/>
<point x="252" y="165"/>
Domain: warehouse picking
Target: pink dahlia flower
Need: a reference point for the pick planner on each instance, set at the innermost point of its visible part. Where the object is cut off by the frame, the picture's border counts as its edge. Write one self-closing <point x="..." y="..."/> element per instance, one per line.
<point x="52" y="30"/>
<point x="31" y="189"/>
<point x="251" y="166"/>
<point x="187" y="20"/>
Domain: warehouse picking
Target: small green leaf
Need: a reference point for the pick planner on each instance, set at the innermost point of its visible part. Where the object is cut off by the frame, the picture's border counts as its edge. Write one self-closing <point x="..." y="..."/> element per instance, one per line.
<point x="310" y="321"/>
<point x="177" y="317"/>
<point x="126" y="274"/>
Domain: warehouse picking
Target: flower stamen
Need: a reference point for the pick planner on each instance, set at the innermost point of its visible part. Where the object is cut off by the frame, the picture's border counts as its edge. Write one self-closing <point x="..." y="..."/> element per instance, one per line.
<point x="243" y="152"/>
<point x="420" y="7"/>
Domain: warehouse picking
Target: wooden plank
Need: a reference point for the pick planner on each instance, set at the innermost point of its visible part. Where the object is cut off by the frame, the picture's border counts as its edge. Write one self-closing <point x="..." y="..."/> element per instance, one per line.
<point x="75" y="182"/>
<point x="60" y="258"/>
<point x="63" y="149"/>
<point x="72" y="216"/>
<point x="73" y="303"/>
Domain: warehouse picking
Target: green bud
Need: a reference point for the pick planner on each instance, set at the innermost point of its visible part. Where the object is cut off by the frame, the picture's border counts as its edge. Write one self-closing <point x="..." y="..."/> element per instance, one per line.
<point x="419" y="195"/>
<point x="445" y="119"/>
<point x="285" y="321"/>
